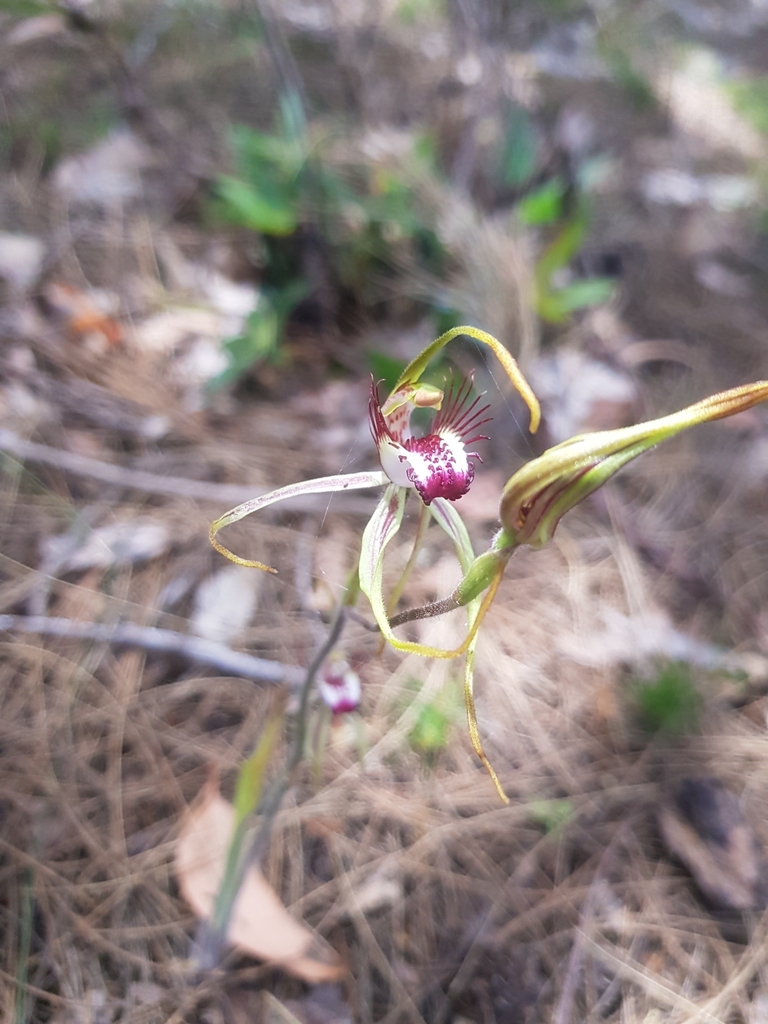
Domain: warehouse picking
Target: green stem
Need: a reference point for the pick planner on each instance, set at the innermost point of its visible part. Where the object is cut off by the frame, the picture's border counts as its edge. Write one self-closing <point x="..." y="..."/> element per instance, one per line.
<point x="248" y="841"/>
<point x="400" y="586"/>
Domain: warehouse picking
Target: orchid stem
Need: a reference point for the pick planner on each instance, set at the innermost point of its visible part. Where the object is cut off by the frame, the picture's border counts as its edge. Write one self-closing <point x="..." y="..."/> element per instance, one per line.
<point x="249" y="840"/>
<point x="424" y="520"/>
<point x="426" y="611"/>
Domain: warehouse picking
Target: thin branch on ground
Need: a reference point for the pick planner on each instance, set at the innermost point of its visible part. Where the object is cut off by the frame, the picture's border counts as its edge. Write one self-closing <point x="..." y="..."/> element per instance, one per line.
<point x="165" y="641"/>
<point x="152" y="483"/>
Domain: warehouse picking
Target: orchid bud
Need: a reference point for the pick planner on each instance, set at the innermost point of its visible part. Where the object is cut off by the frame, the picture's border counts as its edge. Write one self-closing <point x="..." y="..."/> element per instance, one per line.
<point x="541" y="492"/>
<point x="339" y="686"/>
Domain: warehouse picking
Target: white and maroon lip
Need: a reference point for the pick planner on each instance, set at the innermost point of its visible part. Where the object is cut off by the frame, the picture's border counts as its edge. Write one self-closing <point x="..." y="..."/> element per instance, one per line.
<point x="339" y="687"/>
<point x="437" y="465"/>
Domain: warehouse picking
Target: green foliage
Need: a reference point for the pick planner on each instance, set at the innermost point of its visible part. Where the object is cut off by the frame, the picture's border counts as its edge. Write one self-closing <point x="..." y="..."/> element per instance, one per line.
<point x="636" y="86"/>
<point x="671" y="702"/>
<point x="262" y="206"/>
<point x="519" y="150"/>
<point x="267" y="194"/>
<point x="544" y="205"/>
<point x="430" y="734"/>
<point x="435" y="720"/>
<point x="413" y="12"/>
<point x="250" y="779"/>
<point x="553" y="815"/>
<point x="555" y="304"/>
<point x="27" y="8"/>
<point x="260" y="338"/>
<point x="371" y="224"/>
<point x="368" y="220"/>
<point x="751" y="101"/>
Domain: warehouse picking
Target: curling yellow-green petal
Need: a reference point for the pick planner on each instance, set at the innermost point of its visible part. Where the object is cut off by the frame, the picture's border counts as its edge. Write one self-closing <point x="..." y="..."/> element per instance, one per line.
<point x="417" y="366"/>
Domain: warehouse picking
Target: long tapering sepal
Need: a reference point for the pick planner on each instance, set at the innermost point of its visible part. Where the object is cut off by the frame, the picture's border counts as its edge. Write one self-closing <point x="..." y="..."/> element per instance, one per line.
<point x="321" y="485"/>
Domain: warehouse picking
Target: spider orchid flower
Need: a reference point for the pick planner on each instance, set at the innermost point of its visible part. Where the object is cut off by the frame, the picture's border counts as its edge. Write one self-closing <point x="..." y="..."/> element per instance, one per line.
<point x="438" y="467"/>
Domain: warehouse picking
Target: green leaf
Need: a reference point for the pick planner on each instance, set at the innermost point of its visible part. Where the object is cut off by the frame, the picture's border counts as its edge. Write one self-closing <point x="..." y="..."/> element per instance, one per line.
<point x="251" y="776"/>
<point x="561" y="251"/>
<point x="634" y="82"/>
<point x="262" y="332"/>
<point x="671" y="703"/>
<point x="590" y="291"/>
<point x="555" y="307"/>
<point x="293" y="122"/>
<point x="544" y="205"/>
<point x="258" y="154"/>
<point x="518" y="157"/>
<point x="552" y="814"/>
<point x="432" y="729"/>
<point x="284" y="300"/>
<point x="243" y="204"/>
<point x="258" y="341"/>
<point x="751" y="101"/>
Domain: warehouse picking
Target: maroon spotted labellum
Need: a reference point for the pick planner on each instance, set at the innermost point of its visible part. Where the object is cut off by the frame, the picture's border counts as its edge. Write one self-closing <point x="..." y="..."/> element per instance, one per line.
<point x="437" y="465"/>
<point x="339" y="686"/>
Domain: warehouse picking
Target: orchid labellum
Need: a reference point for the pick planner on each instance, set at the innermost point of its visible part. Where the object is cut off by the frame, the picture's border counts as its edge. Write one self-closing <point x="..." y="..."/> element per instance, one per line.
<point x="439" y="468"/>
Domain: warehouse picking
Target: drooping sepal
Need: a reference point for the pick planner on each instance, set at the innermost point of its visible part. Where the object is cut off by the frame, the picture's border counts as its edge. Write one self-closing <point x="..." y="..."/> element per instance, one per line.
<point x="321" y="485"/>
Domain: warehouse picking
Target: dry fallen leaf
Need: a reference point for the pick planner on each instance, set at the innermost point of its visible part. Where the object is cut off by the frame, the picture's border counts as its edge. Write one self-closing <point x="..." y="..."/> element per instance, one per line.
<point x="82" y="316"/>
<point x="260" y="923"/>
<point x="225" y="603"/>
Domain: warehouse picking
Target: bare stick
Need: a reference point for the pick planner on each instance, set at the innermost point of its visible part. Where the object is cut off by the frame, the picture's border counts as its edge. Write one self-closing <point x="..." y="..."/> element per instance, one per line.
<point x="152" y="483"/>
<point x="194" y="648"/>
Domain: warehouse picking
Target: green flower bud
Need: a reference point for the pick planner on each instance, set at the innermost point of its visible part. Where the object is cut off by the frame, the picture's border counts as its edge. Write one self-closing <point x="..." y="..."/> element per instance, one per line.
<point x="541" y="492"/>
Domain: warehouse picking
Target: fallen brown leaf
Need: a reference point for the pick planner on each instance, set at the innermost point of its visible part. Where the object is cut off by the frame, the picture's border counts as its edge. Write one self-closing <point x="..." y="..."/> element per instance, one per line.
<point x="260" y="923"/>
<point x="81" y="315"/>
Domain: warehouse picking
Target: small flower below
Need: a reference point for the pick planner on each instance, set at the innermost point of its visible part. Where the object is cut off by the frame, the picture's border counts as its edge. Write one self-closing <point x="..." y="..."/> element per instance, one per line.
<point x="339" y="686"/>
<point x="438" y="465"/>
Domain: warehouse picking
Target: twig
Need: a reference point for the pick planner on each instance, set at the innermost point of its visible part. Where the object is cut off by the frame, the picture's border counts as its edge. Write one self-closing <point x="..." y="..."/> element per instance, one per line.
<point x="152" y="483"/>
<point x="194" y="648"/>
<point x="122" y="476"/>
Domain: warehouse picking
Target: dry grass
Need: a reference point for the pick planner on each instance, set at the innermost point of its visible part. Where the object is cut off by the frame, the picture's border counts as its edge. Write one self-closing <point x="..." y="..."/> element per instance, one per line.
<point x="560" y="907"/>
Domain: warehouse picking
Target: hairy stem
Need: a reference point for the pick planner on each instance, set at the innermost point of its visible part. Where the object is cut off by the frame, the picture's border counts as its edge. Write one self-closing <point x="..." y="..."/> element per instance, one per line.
<point x="426" y="611"/>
